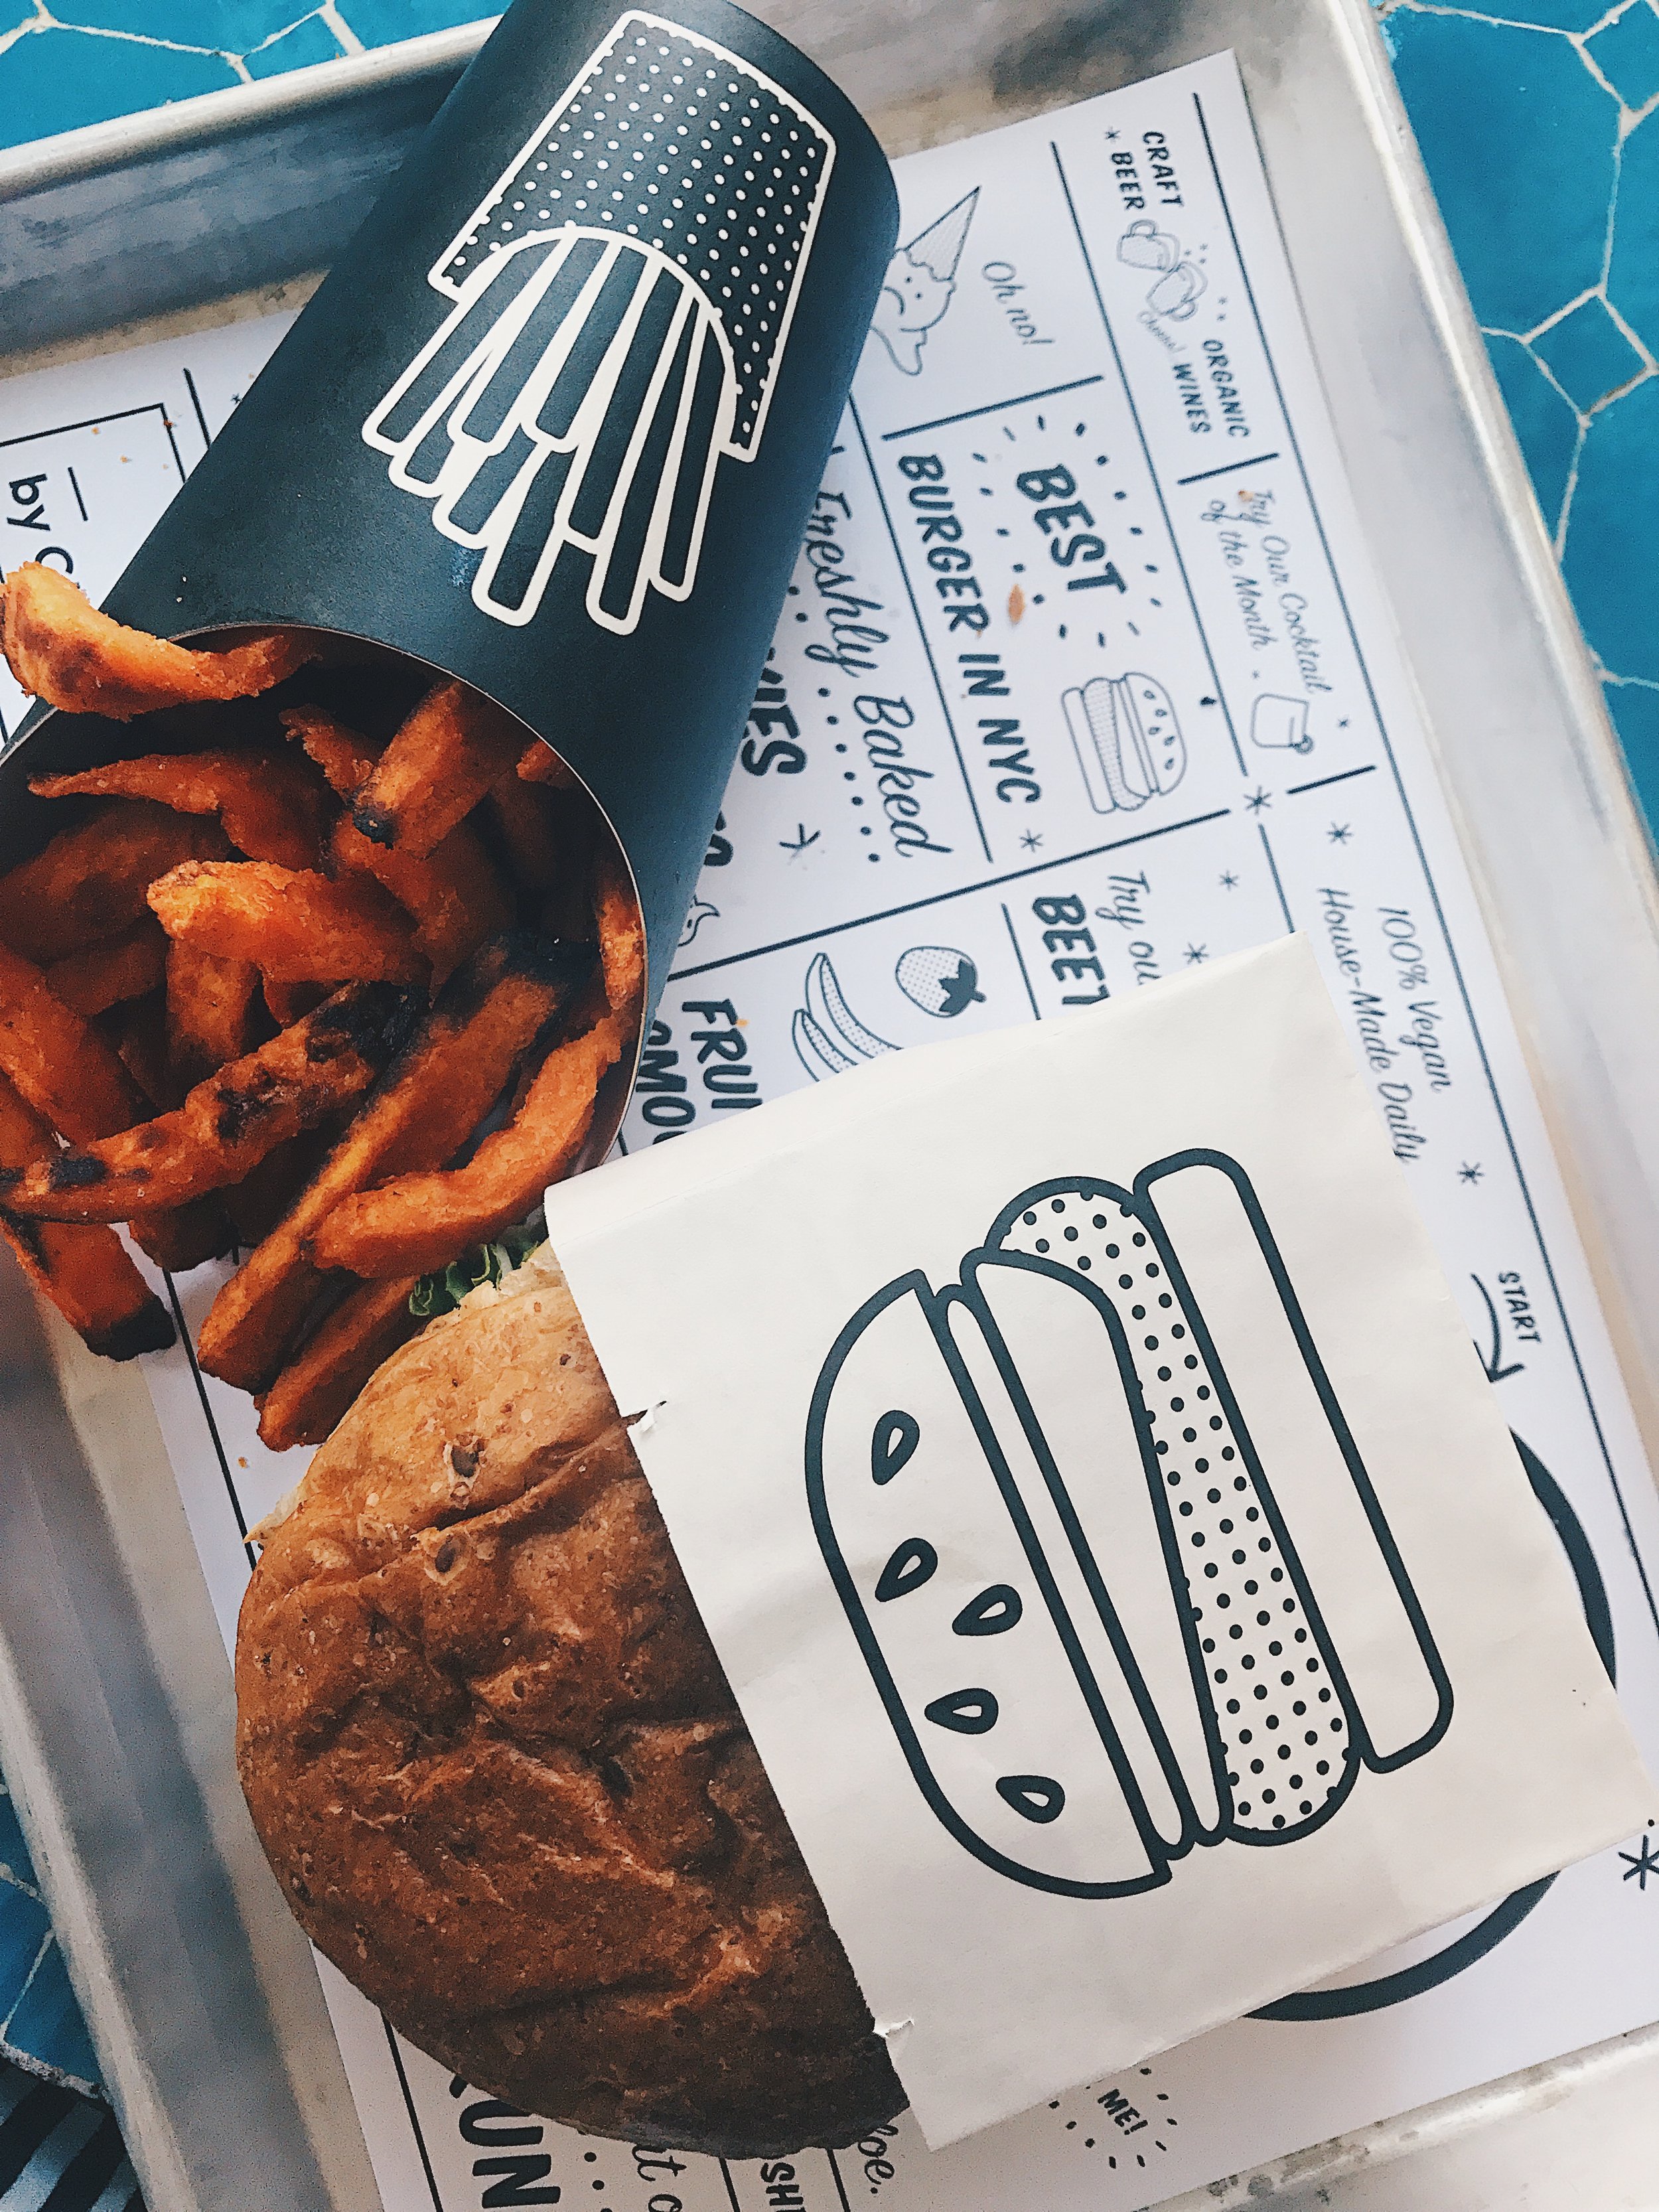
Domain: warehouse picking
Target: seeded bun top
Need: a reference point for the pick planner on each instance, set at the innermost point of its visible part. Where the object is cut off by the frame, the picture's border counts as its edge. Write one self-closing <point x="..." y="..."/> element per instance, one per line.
<point x="496" y="1768"/>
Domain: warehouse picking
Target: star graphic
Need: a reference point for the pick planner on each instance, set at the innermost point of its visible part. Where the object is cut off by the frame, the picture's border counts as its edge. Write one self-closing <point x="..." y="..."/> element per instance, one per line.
<point x="1228" y="880"/>
<point x="1468" y="1173"/>
<point x="1196" y="954"/>
<point x="1113" y="134"/>
<point x="1343" y="724"/>
<point x="1258" y="799"/>
<point x="1340" y="832"/>
<point x="797" y="845"/>
<point x="1030" y="839"/>
<point x="1640" y="1863"/>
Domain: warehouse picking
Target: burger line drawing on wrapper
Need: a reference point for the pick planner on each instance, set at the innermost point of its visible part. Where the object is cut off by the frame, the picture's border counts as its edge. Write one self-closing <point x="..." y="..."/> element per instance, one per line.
<point x="1116" y="1654"/>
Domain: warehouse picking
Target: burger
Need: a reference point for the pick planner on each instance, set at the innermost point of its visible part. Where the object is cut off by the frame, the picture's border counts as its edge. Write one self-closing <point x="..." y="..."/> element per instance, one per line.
<point x="1126" y="739"/>
<point x="499" y="1773"/>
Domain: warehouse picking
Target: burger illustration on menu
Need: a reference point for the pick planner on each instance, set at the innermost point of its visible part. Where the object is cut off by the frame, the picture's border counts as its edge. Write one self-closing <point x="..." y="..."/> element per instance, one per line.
<point x="1108" y="1545"/>
<point x="1126" y="739"/>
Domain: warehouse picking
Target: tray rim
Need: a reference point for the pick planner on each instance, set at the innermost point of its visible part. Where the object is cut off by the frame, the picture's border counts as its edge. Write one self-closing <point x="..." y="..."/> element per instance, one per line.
<point x="206" y="117"/>
<point x="1584" y="719"/>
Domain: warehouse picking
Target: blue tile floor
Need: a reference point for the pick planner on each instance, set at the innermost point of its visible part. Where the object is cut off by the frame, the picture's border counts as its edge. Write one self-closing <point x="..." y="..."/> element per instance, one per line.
<point x="40" y="2024"/>
<point x="59" y="2150"/>
<point x="1539" y="120"/>
<point x="76" y="62"/>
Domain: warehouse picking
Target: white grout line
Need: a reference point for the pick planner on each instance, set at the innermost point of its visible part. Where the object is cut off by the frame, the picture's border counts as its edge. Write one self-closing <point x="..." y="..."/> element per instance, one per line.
<point x="1633" y="336"/>
<point x="46" y="1944"/>
<point x="1565" y="515"/>
<point x="131" y="38"/>
<point x="1474" y="15"/>
<point x="1576" y="40"/>
<point x="39" y="22"/>
<point x="14" y="1880"/>
<point x="342" y="30"/>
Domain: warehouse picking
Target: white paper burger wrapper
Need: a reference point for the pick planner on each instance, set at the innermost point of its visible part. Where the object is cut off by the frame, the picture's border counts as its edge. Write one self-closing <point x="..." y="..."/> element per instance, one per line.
<point x="1105" y="1523"/>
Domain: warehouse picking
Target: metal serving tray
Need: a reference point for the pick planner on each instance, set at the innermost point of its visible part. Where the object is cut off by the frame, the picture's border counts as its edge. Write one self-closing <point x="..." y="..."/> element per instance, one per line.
<point x="115" y="1702"/>
<point x="229" y="192"/>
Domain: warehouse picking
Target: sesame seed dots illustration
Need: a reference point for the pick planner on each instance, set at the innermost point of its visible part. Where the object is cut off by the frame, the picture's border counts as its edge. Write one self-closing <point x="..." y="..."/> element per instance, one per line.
<point x="1283" y="1735"/>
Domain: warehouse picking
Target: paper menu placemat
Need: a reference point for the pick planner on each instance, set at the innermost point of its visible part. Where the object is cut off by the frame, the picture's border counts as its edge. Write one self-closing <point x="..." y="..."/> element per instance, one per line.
<point x="1124" y="1641"/>
<point x="1038" y="793"/>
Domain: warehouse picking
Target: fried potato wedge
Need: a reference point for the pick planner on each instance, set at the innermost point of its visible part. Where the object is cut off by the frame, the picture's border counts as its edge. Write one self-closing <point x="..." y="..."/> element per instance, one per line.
<point x="344" y="755"/>
<point x="453" y="896"/>
<point x="621" y="937"/>
<point x="228" y="1124"/>
<point x="294" y="926"/>
<point x="88" y="1276"/>
<point x="307" y="1400"/>
<point x="64" y="1068"/>
<point x="85" y="1273"/>
<point x="138" y="1030"/>
<point x="72" y="1077"/>
<point x="437" y="768"/>
<point x="186" y="1236"/>
<point x="539" y="763"/>
<point x="271" y="805"/>
<point x="61" y="649"/>
<point x="527" y="822"/>
<point x="104" y="976"/>
<point x="426" y="1106"/>
<point x="89" y="882"/>
<point x="210" y="1008"/>
<point x="417" y="1223"/>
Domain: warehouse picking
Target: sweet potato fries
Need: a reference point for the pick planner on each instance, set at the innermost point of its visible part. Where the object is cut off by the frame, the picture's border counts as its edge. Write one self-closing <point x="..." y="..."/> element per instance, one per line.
<point x="327" y="973"/>
<point x="59" y="647"/>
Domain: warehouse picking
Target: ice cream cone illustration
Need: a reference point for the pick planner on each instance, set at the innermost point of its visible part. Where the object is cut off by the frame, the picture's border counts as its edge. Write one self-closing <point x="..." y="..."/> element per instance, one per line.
<point x="921" y="278"/>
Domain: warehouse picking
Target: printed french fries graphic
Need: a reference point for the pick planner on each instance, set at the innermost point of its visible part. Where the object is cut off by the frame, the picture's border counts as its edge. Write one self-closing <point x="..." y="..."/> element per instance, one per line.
<point x="622" y="299"/>
<point x="1106" y="1542"/>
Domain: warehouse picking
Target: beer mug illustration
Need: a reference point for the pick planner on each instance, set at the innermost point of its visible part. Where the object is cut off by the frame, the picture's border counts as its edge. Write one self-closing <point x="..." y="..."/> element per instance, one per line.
<point x="1178" y="283"/>
<point x="1107" y="1544"/>
<point x="621" y="300"/>
<point x="1175" y="296"/>
<point x="1144" y="246"/>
